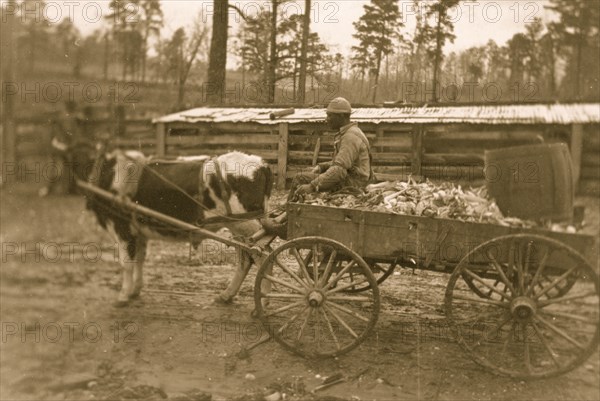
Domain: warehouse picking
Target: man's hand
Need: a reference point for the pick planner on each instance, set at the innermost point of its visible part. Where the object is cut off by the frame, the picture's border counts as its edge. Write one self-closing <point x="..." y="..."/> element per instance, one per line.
<point x="305" y="189"/>
<point x="316" y="169"/>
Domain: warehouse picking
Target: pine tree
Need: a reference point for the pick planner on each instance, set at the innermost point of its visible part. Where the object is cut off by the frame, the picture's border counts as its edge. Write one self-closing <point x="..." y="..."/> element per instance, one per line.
<point x="435" y="36"/>
<point x="578" y="30"/>
<point x="377" y="31"/>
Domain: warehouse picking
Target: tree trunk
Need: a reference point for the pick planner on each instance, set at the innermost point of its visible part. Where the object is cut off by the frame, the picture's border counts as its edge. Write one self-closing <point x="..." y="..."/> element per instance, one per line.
<point x="271" y="76"/>
<point x="379" y="57"/>
<point x="105" y="65"/>
<point x="218" y="54"/>
<point x="438" y="54"/>
<point x="578" y="95"/>
<point x="304" y="52"/>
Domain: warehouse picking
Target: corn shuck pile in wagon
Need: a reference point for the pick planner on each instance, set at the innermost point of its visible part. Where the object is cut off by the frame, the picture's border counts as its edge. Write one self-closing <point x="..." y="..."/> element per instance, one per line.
<point x="443" y="200"/>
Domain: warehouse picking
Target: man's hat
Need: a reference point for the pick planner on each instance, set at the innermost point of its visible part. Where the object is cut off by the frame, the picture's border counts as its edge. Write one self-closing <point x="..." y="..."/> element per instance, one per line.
<point x="339" y="105"/>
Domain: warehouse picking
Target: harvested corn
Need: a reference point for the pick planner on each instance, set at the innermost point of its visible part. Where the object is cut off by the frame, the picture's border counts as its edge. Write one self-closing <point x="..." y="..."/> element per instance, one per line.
<point x="444" y="200"/>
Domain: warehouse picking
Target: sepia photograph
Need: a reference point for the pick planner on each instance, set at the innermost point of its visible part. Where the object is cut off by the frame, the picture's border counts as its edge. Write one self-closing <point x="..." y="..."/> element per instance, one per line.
<point x="288" y="200"/>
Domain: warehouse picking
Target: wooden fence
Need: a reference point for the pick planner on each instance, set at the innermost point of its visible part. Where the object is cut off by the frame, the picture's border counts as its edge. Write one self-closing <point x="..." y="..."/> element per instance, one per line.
<point x="451" y="152"/>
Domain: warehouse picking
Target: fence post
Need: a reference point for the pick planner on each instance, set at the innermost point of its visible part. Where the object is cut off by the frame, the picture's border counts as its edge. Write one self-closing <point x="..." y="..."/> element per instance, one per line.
<point x="160" y="139"/>
<point x="282" y="155"/>
<point x="417" y="150"/>
<point x="576" y="147"/>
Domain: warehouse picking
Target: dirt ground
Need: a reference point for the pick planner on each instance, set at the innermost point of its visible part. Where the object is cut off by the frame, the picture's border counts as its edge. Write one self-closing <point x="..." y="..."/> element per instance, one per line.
<point x="63" y="339"/>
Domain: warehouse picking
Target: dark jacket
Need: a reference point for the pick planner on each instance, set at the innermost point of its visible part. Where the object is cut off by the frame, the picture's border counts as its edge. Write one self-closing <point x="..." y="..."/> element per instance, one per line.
<point x="351" y="162"/>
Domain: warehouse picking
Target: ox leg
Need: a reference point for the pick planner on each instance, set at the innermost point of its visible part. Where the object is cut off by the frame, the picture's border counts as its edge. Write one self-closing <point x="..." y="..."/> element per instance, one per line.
<point x="243" y="267"/>
<point x="140" y="257"/>
<point x="128" y="257"/>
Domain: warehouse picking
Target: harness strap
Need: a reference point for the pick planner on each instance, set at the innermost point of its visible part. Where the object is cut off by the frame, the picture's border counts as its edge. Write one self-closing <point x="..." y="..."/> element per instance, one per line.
<point x="225" y="194"/>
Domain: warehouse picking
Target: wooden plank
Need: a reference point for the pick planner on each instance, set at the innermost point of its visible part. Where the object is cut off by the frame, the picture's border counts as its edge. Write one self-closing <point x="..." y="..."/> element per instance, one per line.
<point x="404" y="141"/>
<point x="453" y="158"/>
<point x="392" y="157"/>
<point x="242" y="127"/>
<point x="282" y="158"/>
<point x="590" y="172"/>
<point x="477" y="134"/>
<point x="135" y="141"/>
<point x="590" y="159"/>
<point x="223" y="139"/>
<point x="576" y="146"/>
<point x="417" y="149"/>
<point x="160" y="139"/>
<point x="589" y="187"/>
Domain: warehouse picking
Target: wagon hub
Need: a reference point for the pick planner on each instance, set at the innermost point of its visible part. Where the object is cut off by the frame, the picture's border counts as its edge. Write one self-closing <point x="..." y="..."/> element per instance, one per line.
<point x="522" y="308"/>
<point x="315" y="299"/>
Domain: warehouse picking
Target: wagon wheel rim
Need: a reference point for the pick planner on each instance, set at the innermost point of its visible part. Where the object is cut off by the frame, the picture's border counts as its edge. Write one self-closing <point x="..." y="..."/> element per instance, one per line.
<point x="527" y="334"/>
<point x="315" y="317"/>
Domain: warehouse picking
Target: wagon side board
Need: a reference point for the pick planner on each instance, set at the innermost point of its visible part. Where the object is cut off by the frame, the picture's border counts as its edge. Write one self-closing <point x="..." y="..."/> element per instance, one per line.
<point x="423" y="242"/>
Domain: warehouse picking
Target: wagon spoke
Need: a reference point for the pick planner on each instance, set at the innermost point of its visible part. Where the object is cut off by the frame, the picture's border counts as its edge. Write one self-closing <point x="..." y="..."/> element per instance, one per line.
<point x="352" y="283"/>
<point x="308" y="315"/>
<point x="559" y="331"/>
<point x="527" y="258"/>
<point x="302" y="265"/>
<point x="285" y="308"/>
<point x="571" y="316"/>
<point x="284" y="283"/>
<point x="519" y="266"/>
<point x="346" y="286"/>
<point x="526" y="353"/>
<point x="335" y="339"/>
<point x="498" y="327"/>
<point x="327" y="268"/>
<point x="502" y="275"/>
<point x="315" y="264"/>
<point x="556" y="282"/>
<point x="354" y="298"/>
<point x="482" y="301"/>
<point x="292" y="274"/>
<point x="341" y="321"/>
<point x="490" y="287"/>
<point x="347" y="310"/>
<point x="550" y="351"/>
<point x="282" y="296"/>
<point x="292" y="320"/>
<point x="550" y="301"/>
<point x="538" y="272"/>
<point x="508" y="337"/>
<point x="340" y="274"/>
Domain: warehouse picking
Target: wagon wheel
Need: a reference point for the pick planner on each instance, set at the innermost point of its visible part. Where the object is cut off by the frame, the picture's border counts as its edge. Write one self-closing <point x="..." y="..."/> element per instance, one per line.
<point x="482" y="291"/>
<point x="525" y="332"/>
<point x="306" y="308"/>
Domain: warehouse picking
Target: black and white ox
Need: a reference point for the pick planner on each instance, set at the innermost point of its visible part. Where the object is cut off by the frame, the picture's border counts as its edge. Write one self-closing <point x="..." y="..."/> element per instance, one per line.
<point x="191" y="189"/>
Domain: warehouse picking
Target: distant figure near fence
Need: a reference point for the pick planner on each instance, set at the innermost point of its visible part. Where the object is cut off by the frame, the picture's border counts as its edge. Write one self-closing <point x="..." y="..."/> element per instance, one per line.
<point x="67" y="139"/>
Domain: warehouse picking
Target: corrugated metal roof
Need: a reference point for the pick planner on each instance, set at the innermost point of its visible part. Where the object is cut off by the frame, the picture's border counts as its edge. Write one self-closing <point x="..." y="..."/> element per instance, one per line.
<point x="487" y="114"/>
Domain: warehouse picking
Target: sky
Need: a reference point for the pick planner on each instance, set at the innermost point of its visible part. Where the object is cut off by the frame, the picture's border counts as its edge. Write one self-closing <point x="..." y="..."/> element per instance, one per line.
<point x="475" y="21"/>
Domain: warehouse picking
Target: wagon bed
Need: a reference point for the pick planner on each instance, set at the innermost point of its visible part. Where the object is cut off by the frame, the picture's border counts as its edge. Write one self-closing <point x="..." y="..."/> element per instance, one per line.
<point x="427" y="242"/>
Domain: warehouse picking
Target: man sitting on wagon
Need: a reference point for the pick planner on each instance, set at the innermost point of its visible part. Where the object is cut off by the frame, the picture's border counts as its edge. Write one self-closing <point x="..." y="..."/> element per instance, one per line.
<point x="349" y="167"/>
